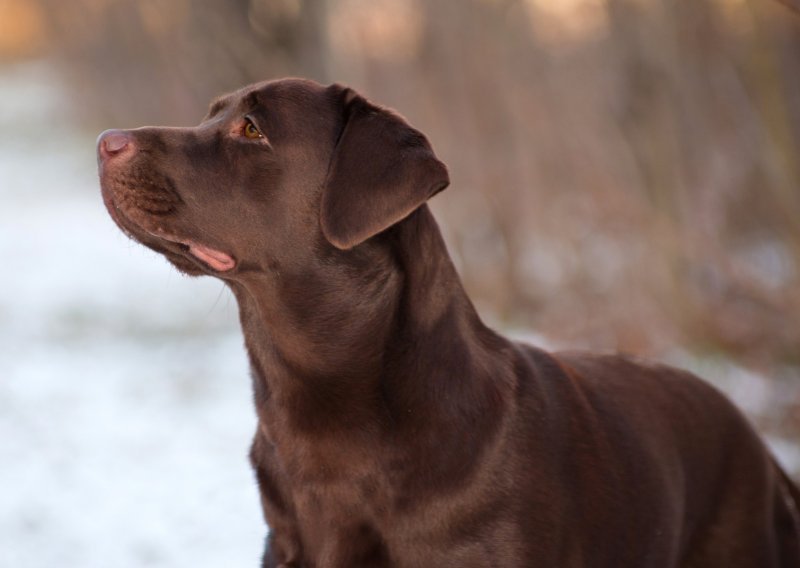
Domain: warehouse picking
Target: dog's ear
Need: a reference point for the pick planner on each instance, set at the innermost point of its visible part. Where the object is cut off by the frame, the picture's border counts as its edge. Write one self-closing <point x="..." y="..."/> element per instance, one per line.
<point x="382" y="169"/>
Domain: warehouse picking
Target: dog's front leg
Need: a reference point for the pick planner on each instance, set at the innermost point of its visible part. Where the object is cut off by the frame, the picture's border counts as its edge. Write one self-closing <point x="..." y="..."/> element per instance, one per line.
<point x="282" y="546"/>
<point x="272" y="560"/>
<point x="268" y="560"/>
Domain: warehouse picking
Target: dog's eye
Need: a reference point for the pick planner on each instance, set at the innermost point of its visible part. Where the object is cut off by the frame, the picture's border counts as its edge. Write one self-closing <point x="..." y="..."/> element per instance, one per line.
<point x="250" y="129"/>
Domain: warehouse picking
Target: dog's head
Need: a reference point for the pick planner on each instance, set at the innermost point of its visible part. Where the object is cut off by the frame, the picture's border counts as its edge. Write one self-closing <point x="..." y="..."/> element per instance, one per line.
<point x="276" y="173"/>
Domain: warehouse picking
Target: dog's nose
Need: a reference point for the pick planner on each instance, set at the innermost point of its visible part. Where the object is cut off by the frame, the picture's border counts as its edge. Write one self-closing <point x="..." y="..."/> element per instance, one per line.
<point x="113" y="143"/>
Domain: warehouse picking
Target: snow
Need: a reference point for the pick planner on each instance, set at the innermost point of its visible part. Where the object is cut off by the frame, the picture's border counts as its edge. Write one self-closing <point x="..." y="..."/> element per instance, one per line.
<point x="125" y="404"/>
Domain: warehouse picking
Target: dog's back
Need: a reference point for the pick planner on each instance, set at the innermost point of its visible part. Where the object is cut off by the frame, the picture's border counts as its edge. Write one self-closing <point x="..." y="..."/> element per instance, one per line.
<point x="680" y="468"/>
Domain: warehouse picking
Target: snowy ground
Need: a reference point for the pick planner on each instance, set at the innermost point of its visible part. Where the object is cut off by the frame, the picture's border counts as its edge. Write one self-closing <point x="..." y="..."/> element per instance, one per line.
<point x="125" y="409"/>
<point x="125" y="406"/>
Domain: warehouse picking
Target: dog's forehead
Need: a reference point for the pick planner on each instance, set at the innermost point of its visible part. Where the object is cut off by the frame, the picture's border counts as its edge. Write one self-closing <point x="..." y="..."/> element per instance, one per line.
<point x="268" y="93"/>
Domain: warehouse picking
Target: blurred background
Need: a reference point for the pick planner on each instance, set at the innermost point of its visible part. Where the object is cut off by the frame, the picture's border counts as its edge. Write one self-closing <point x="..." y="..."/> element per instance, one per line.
<point x="625" y="176"/>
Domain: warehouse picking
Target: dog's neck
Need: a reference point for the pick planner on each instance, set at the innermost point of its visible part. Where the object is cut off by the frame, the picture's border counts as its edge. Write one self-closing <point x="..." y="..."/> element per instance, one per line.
<point x="330" y="344"/>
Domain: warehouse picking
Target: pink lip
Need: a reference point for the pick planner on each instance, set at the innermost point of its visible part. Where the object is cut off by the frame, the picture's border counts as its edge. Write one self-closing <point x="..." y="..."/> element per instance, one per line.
<point x="218" y="260"/>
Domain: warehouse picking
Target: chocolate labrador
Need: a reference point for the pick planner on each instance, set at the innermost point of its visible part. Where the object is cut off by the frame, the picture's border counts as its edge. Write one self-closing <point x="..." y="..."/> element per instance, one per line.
<point x="394" y="428"/>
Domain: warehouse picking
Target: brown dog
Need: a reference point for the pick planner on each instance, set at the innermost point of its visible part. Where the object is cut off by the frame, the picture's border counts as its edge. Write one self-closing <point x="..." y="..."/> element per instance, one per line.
<point x="395" y="429"/>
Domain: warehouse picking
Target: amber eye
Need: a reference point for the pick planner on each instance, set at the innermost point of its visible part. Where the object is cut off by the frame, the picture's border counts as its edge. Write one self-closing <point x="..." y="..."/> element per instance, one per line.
<point x="250" y="130"/>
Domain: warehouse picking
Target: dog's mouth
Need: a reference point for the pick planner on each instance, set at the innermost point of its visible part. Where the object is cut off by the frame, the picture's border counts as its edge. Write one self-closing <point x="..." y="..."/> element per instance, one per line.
<point x="216" y="259"/>
<point x="142" y="214"/>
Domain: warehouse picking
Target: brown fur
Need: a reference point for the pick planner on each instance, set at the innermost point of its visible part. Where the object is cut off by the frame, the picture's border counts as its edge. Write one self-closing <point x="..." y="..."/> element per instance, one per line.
<point x="394" y="428"/>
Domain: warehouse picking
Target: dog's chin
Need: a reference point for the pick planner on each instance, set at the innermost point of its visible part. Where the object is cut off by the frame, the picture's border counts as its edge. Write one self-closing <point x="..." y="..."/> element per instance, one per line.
<point x="184" y="264"/>
<point x="187" y="255"/>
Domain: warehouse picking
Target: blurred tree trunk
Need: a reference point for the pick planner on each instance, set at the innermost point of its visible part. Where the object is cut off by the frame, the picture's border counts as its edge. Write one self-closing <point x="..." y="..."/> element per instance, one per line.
<point x="151" y="62"/>
<point x="792" y="4"/>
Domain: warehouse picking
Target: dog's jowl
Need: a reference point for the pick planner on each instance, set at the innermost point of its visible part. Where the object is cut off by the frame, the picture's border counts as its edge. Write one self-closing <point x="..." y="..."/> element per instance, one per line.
<point x="394" y="428"/>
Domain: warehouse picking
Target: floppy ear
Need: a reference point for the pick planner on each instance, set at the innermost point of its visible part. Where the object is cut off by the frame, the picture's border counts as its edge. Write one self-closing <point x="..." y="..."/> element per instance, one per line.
<point x="381" y="171"/>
